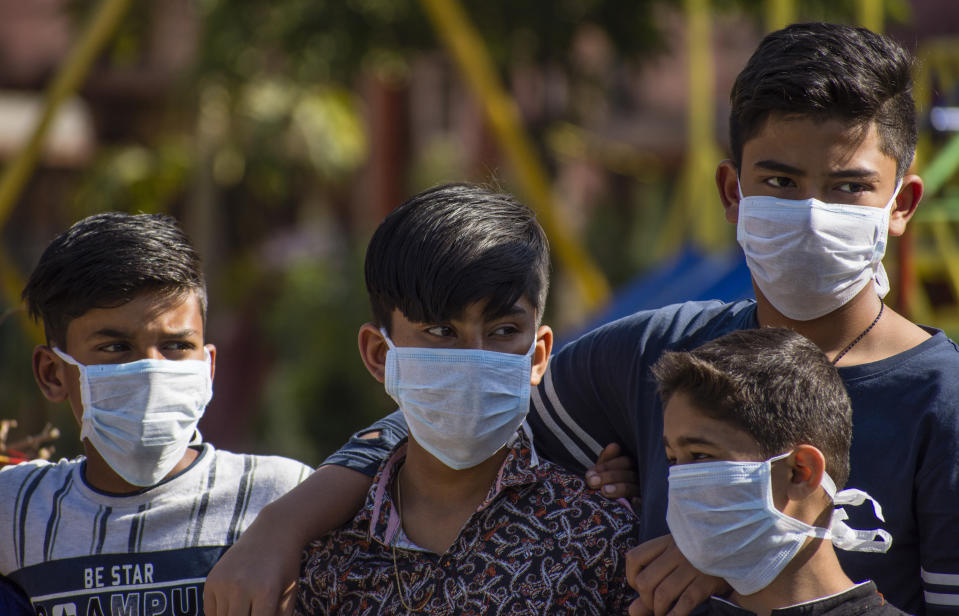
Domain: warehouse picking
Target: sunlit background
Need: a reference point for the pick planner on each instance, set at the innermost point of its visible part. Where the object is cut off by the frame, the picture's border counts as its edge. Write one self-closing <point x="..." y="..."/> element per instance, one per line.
<point x="280" y="133"/>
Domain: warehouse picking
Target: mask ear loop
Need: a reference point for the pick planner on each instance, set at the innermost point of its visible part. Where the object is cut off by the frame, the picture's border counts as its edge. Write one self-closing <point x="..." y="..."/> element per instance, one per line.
<point x="86" y="420"/>
<point x="841" y="534"/>
<point x="386" y="337"/>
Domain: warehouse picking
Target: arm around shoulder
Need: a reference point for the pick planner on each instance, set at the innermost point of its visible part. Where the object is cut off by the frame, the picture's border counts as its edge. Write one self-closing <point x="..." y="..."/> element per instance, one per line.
<point x="258" y="573"/>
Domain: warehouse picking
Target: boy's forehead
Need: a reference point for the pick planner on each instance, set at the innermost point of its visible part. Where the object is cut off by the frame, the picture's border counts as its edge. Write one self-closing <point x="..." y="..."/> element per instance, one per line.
<point x="812" y="142"/>
<point x="477" y="311"/>
<point x="151" y="310"/>
<point x="685" y="423"/>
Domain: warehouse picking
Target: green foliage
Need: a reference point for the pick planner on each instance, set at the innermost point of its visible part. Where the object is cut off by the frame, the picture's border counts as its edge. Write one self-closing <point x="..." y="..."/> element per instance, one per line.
<point x="21" y="398"/>
<point x="135" y="178"/>
<point x="332" y="40"/>
<point x="318" y="391"/>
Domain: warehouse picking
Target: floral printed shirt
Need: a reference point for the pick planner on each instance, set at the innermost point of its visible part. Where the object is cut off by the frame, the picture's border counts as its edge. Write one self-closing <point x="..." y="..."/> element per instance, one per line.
<point x="540" y="543"/>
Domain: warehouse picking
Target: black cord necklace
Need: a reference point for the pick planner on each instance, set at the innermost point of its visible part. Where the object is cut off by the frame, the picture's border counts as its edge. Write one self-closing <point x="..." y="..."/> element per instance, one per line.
<point x="860" y="336"/>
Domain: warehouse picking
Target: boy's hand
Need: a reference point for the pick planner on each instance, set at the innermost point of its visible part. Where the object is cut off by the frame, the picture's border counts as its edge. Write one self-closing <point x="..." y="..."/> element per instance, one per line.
<point x="667" y="584"/>
<point x="256" y="577"/>
<point x="615" y="475"/>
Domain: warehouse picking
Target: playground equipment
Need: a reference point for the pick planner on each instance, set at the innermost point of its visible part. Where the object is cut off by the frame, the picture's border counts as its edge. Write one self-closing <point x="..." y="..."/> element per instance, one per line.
<point x="929" y="252"/>
<point x="467" y="50"/>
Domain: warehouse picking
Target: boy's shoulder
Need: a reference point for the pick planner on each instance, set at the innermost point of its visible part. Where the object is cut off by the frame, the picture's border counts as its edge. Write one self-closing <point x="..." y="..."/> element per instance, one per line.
<point x="674" y="327"/>
<point x="15" y="476"/>
<point x="273" y="474"/>
<point x="277" y="474"/>
<point x="271" y="464"/>
<point x="560" y="494"/>
<point x="863" y="599"/>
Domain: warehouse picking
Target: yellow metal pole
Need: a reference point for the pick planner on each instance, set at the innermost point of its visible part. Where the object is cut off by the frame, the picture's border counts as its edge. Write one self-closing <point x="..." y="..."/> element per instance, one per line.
<point x="707" y="222"/>
<point x="779" y="14"/>
<point x="68" y="78"/>
<point x="869" y="13"/>
<point x="466" y="47"/>
<point x="11" y="284"/>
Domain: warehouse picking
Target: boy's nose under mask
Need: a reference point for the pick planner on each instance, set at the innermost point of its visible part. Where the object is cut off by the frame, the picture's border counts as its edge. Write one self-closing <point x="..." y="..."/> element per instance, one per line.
<point x="808" y="257"/>
<point x="140" y="416"/>
<point x="722" y="517"/>
<point x="461" y="405"/>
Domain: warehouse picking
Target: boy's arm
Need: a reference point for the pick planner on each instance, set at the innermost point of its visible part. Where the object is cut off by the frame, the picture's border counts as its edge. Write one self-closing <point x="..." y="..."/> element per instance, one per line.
<point x="258" y="574"/>
<point x="580" y="406"/>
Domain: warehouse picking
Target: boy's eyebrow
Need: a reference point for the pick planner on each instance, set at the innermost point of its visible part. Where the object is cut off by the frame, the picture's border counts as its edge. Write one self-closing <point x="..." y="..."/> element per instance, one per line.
<point x="683" y="441"/>
<point x="109" y="332"/>
<point x="775" y="165"/>
<point x="860" y="173"/>
<point x="510" y="311"/>
<point x="183" y="333"/>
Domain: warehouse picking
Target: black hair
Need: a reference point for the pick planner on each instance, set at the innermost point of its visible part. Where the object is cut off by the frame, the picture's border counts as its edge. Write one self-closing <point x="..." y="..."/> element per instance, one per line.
<point x="104" y="261"/>
<point x="828" y="71"/>
<point x="773" y="384"/>
<point x="451" y="246"/>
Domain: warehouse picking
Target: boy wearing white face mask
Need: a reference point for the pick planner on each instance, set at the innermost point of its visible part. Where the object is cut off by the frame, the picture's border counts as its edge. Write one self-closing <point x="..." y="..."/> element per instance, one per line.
<point x="134" y="526"/>
<point x="463" y="518"/>
<point x="757" y="427"/>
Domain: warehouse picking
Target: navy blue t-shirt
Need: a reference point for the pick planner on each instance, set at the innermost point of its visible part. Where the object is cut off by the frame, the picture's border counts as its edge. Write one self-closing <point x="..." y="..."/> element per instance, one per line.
<point x="905" y="447"/>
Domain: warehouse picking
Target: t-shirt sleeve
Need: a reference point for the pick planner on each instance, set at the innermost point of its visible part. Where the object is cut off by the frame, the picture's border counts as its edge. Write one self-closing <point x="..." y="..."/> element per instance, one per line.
<point x="365" y="453"/>
<point x="599" y="389"/>
<point x="579" y="406"/>
<point x="937" y="513"/>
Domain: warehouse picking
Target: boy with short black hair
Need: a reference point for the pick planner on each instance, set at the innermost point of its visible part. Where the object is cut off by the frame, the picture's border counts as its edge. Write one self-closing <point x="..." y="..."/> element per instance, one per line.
<point x="757" y="427"/>
<point x="134" y="526"/>
<point x="463" y="517"/>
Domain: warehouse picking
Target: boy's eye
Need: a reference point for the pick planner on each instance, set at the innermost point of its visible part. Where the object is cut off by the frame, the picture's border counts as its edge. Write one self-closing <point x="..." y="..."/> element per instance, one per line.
<point x="699" y="456"/>
<point x="179" y="345"/>
<point x="853" y="187"/>
<point x="505" y="330"/>
<point x="779" y="181"/>
<point x="442" y="331"/>
<point x="114" y="347"/>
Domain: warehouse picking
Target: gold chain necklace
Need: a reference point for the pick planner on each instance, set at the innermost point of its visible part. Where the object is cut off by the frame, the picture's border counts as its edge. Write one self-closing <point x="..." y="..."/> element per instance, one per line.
<point x="860" y="336"/>
<point x="396" y="569"/>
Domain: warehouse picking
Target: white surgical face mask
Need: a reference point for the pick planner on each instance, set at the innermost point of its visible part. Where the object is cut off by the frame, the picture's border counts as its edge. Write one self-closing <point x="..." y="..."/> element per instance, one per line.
<point x="722" y="517"/>
<point x="461" y="405"/>
<point x="140" y="416"/>
<point x="809" y="257"/>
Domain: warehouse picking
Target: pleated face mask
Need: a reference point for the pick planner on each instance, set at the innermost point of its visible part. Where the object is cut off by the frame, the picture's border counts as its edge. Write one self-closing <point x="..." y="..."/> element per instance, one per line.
<point x="809" y="257"/>
<point x="140" y="416"/>
<point x="722" y="517"/>
<point x="461" y="405"/>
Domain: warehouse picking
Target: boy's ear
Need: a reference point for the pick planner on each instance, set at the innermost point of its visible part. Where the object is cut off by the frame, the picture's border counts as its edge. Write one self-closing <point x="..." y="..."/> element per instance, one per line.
<point x="808" y="465"/>
<point x="373" y="350"/>
<point x="51" y="374"/>
<point x="727" y="181"/>
<point x="212" y="350"/>
<point x="906" y="203"/>
<point x="544" y="346"/>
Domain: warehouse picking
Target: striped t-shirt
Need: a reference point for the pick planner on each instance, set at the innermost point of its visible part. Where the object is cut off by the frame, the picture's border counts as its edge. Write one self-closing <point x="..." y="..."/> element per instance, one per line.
<point x="77" y="551"/>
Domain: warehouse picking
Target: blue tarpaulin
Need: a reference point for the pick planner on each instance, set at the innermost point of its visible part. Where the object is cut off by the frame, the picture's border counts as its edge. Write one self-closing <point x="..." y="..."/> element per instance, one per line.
<point x="689" y="276"/>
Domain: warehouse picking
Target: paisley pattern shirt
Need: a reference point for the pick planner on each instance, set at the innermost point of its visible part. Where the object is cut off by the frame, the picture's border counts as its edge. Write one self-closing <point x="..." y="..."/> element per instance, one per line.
<point x="541" y="543"/>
